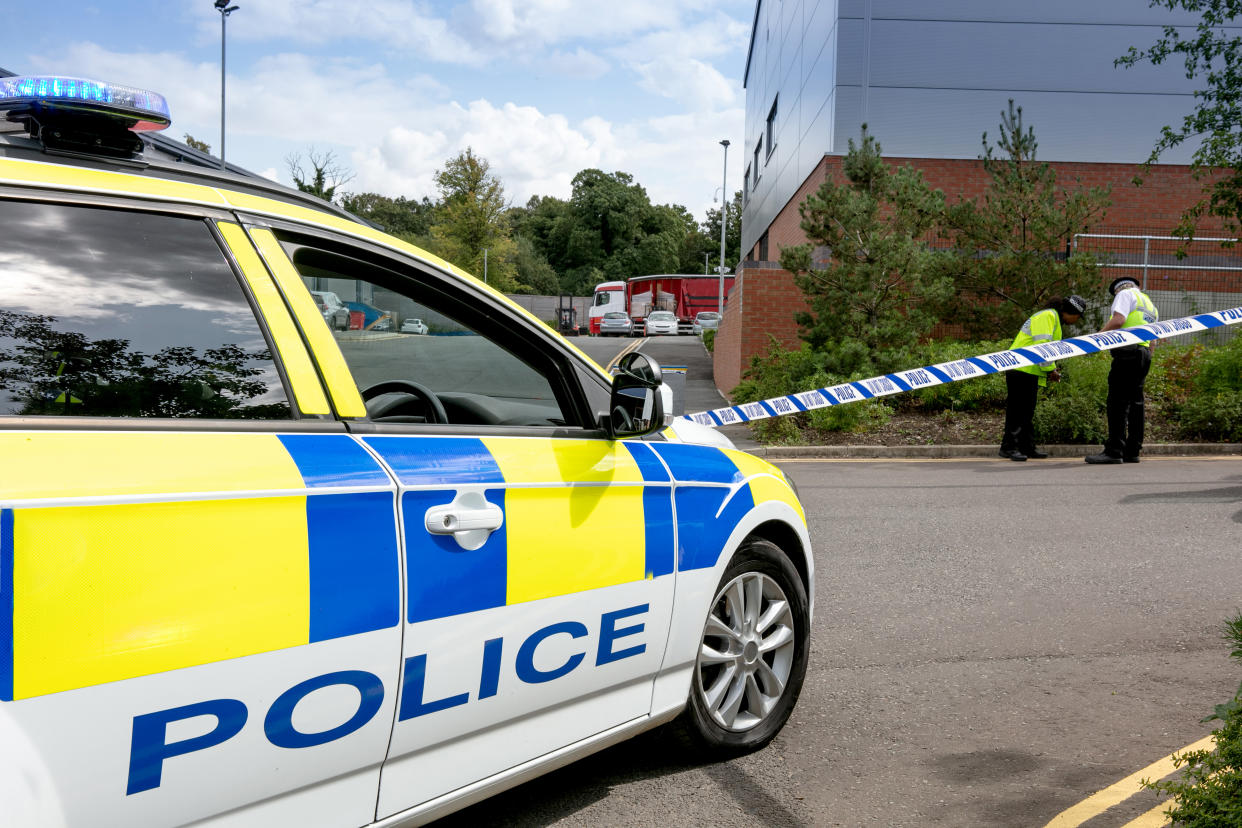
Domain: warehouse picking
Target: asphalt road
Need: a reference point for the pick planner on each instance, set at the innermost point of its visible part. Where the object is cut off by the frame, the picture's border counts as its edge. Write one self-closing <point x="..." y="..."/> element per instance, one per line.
<point x="993" y="643"/>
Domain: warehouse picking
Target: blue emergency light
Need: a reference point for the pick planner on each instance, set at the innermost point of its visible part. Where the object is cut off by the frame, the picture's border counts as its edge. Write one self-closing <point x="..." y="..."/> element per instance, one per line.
<point x="140" y="110"/>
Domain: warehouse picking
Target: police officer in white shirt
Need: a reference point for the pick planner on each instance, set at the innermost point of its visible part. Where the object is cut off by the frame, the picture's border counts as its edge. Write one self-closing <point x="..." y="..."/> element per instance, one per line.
<point x="1131" y="307"/>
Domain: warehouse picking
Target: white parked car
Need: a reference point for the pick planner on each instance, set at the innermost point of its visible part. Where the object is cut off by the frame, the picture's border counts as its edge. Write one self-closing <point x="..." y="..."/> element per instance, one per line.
<point x="661" y="323"/>
<point x="413" y="326"/>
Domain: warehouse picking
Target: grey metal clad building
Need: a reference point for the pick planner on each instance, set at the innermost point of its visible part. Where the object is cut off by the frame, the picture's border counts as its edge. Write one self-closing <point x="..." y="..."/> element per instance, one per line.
<point x="928" y="77"/>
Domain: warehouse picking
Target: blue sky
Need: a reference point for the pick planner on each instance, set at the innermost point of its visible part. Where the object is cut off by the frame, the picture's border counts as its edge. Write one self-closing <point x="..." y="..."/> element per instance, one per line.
<point x="393" y="88"/>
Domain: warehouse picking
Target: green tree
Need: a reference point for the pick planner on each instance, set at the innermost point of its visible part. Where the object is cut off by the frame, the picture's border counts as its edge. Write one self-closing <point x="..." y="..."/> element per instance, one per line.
<point x="404" y="217"/>
<point x="534" y="274"/>
<point x="1015" y="239"/>
<point x="194" y="143"/>
<point x="1213" y="52"/>
<point x="472" y="229"/>
<point x="326" y="174"/>
<point x="882" y="285"/>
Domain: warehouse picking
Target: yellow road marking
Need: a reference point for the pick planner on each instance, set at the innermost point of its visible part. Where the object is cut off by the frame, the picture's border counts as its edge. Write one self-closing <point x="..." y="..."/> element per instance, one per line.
<point x="1155" y="818"/>
<point x="633" y="346"/>
<point x="1101" y="801"/>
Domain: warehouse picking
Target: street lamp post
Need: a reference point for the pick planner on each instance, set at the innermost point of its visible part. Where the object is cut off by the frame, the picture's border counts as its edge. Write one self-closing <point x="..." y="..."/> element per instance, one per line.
<point x="724" y="216"/>
<point x="225" y="10"/>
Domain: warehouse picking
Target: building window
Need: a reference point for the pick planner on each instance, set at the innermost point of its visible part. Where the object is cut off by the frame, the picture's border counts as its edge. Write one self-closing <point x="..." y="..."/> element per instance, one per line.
<point x="758" y="151"/>
<point x="771" y="127"/>
<point x="763" y="247"/>
<point x="746" y="185"/>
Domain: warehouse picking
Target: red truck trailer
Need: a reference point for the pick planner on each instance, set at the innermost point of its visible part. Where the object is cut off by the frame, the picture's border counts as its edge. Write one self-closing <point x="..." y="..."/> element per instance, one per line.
<point x="683" y="294"/>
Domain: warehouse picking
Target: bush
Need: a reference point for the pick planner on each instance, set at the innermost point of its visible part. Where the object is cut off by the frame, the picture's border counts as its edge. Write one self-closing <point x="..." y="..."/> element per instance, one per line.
<point x="1212" y="416"/>
<point x="1221" y="369"/>
<point x="782" y="372"/>
<point x="1209" y="792"/>
<point x="1072" y="410"/>
<point x="978" y="394"/>
<point x="709" y="340"/>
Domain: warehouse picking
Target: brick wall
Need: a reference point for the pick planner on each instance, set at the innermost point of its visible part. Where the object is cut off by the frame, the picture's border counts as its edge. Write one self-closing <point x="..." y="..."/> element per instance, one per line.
<point x="765" y="299"/>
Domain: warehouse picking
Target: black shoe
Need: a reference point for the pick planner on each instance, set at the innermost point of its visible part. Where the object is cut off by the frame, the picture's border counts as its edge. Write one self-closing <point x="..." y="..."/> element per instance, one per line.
<point x="1102" y="458"/>
<point x="1130" y="459"/>
<point x="1036" y="454"/>
<point x="1012" y="455"/>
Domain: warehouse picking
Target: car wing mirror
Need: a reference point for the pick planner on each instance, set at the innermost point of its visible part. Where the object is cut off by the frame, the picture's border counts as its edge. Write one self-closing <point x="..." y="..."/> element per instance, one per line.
<point x="636" y="406"/>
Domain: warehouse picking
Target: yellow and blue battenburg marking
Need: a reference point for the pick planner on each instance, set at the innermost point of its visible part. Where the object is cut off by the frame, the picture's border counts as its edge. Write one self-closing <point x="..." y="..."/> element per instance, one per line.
<point x="165" y="550"/>
<point x="716" y="490"/>
<point x="578" y="515"/>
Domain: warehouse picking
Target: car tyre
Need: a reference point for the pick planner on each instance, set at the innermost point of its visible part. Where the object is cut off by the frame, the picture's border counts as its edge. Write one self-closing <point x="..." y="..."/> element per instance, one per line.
<point x="752" y="655"/>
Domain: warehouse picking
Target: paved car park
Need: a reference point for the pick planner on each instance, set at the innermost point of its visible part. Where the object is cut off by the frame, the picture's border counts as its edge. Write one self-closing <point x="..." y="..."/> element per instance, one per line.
<point x="993" y="644"/>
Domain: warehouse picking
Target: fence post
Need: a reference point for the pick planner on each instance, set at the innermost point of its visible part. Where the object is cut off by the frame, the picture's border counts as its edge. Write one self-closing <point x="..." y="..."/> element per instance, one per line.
<point x="1146" y="243"/>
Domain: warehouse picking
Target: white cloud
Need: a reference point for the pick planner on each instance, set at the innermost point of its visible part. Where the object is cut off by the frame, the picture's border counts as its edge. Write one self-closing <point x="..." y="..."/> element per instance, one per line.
<point x="554" y="21"/>
<point x="577" y="64"/>
<point x="396" y="24"/>
<point x="395" y="132"/>
<point x="692" y="83"/>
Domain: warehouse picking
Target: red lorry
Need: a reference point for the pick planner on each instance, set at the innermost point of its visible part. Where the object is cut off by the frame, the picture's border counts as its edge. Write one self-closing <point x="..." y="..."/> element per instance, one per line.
<point x="682" y="293"/>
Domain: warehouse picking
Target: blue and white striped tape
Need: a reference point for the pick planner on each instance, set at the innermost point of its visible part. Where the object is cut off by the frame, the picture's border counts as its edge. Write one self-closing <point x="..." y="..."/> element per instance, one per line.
<point x="968" y="368"/>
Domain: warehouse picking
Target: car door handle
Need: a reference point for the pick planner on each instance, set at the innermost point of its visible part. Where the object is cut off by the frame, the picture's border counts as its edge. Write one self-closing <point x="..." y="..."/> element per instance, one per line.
<point x="470" y="519"/>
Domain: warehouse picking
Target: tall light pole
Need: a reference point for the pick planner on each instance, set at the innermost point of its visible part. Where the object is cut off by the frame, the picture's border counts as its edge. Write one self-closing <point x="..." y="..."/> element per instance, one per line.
<point x="225" y="10"/>
<point x="724" y="217"/>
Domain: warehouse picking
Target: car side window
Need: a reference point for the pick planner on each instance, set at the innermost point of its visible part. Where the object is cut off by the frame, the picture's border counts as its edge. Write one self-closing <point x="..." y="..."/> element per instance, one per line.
<point x="420" y="353"/>
<point x="111" y="313"/>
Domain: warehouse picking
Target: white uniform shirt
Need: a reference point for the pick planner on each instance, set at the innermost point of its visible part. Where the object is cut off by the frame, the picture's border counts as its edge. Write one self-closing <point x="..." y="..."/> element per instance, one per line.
<point x="1125" y="301"/>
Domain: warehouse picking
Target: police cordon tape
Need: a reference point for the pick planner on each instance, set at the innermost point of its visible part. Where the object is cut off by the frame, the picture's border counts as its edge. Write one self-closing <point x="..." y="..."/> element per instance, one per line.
<point x="962" y="369"/>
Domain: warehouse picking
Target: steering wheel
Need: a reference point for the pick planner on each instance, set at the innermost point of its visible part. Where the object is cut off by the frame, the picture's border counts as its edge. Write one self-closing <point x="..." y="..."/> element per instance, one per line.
<point x="432" y="404"/>
<point x="621" y="420"/>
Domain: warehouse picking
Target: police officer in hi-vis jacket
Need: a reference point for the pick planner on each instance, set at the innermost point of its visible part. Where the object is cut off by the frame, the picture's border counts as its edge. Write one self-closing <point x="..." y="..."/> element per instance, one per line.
<point x="1131" y="363"/>
<point x="1023" y="384"/>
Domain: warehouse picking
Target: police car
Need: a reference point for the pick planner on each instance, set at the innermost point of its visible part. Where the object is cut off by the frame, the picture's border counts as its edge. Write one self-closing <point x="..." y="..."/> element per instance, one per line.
<point x="255" y="570"/>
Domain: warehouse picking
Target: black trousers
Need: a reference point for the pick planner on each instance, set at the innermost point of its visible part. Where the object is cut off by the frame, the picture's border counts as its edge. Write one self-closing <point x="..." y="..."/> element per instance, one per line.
<point x="1022" y="388"/>
<point x="1125" y="401"/>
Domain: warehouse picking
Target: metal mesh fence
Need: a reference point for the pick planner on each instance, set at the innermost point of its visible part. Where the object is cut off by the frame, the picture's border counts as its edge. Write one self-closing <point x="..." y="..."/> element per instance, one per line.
<point x="1182" y="278"/>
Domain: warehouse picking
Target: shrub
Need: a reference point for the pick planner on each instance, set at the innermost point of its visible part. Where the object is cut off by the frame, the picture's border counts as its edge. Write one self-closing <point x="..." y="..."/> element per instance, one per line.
<point x="1221" y="368"/>
<point x="1072" y="410"/>
<point x="1212" y="416"/>
<point x="709" y="340"/>
<point x="977" y="394"/>
<point x="1209" y="792"/>
<point x="782" y="372"/>
<point x="1174" y="373"/>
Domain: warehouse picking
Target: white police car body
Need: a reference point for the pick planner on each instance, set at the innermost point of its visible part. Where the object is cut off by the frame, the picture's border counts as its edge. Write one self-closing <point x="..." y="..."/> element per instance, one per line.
<point x="255" y="571"/>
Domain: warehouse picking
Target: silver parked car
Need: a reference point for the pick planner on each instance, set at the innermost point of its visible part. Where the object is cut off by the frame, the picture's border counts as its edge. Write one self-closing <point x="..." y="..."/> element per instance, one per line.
<point x="615" y="323"/>
<point x="413" y="326"/>
<point x="706" y="321"/>
<point x="334" y="311"/>
<point x="660" y="323"/>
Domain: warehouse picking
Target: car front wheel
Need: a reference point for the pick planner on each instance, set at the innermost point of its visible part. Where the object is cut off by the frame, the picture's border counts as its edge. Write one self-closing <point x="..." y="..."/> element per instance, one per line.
<point x="752" y="655"/>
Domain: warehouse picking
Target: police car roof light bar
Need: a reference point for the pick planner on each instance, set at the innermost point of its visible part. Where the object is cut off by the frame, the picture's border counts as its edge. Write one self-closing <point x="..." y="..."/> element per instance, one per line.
<point x="141" y="110"/>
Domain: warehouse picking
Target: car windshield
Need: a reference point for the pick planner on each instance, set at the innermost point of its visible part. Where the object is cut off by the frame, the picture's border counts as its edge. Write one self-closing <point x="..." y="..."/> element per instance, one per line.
<point x="708" y="316"/>
<point x="661" y="316"/>
<point x="614" y="315"/>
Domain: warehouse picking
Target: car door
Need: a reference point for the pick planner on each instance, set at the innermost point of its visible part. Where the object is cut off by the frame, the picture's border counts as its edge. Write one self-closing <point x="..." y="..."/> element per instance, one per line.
<point x="199" y="574"/>
<point x="538" y="554"/>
